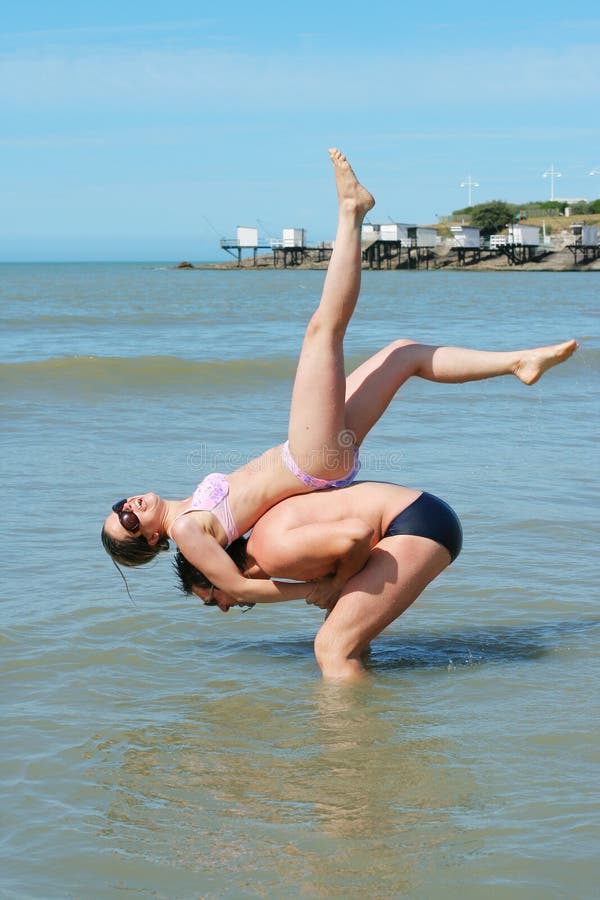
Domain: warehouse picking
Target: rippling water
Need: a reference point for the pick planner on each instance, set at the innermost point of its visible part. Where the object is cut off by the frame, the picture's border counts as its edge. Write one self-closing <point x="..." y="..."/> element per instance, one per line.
<point x="165" y="750"/>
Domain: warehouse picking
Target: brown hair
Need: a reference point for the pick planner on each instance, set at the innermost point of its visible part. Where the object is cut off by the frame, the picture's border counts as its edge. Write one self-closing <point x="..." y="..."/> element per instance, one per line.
<point x="135" y="551"/>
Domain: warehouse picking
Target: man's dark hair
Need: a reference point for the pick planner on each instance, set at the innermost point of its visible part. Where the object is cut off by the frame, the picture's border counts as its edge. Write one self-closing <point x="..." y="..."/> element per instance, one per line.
<point x="189" y="576"/>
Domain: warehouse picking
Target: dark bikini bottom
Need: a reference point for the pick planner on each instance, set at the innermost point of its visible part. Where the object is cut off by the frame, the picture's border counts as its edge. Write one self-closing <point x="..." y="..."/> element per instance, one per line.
<point x="432" y="518"/>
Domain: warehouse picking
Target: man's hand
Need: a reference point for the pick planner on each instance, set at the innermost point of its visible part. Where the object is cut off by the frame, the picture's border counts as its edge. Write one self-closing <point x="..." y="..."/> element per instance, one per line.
<point x="325" y="593"/>
<point x="215" y="597"/>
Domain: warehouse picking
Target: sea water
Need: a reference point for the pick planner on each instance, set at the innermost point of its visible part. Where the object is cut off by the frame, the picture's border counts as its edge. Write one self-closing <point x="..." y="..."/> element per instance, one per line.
<point x="157" y="748"/>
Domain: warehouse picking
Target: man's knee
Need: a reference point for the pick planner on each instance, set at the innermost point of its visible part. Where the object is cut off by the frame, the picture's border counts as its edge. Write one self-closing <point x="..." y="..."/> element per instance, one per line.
<point x="331" y="655"/>
<point x="325" y="652"/>
<point x="335" y="662"/>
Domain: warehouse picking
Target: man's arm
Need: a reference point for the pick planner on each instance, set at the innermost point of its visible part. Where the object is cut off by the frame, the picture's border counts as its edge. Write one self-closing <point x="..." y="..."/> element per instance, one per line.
<point x="352" y="539"/>
<point x="312" y="551"/>
<point x="356" y="556"/>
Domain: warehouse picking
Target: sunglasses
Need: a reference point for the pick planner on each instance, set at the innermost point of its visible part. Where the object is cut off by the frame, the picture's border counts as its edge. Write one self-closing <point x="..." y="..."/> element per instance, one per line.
<point x="127" y="518"/>
<point x="212" y="602"/>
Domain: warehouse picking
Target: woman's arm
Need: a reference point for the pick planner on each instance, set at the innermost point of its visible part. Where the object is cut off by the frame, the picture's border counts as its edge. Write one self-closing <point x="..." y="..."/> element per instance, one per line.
<point x="225" y="602"/>
<point x="206" y="554"/>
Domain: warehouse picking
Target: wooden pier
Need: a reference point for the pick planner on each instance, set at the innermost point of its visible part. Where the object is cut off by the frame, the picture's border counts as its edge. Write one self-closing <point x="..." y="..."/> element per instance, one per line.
<point x="286" y="257"/>
<point x="467" y="256"/>
<point x="517" y="254"/>
<point x="587" y="252"/>
<point x="295" y="256"/>
<point x="387" y="254"/>
<point x="234" y="248"/>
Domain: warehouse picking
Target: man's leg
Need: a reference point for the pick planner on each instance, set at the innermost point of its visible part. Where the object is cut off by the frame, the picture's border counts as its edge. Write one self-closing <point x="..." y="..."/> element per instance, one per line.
<point x="398" y="571"/>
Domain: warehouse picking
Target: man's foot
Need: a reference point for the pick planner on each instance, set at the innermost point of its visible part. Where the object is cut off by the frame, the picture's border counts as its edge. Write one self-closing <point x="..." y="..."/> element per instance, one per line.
<point x="534" y="363"/>
<point x="352" y="196"/>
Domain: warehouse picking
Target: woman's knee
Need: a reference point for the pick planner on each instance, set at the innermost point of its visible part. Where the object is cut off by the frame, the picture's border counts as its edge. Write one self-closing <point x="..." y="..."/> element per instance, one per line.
<point x="399" y="343"/>
<point x="323" y="325"/>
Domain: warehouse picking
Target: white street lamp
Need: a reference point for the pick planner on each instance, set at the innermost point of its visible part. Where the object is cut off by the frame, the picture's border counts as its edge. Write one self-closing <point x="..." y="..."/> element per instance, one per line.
<point x="470" y="184"/>
<point x="552" y="174"/>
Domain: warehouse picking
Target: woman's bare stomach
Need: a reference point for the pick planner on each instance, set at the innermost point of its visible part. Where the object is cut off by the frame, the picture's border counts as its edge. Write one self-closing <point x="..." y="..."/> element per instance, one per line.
<point x="258" y="486"/>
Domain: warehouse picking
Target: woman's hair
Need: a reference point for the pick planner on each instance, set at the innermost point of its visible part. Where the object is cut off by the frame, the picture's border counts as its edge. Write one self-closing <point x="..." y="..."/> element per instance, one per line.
<point x="135" y="551"/>
<point x="189" y="576"/>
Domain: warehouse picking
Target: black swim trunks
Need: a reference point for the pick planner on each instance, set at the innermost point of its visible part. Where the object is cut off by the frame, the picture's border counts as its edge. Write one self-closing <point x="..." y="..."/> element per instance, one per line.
<point x="432" y="518"/>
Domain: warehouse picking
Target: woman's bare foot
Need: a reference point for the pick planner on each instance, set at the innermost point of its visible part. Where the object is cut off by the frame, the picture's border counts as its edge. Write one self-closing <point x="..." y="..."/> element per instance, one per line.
<point x="352" y="196"/>
<point x="533" y="363"/>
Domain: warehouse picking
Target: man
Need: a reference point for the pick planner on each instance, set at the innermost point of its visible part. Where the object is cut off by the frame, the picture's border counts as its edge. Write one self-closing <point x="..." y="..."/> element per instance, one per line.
<point x="373" y="546"/>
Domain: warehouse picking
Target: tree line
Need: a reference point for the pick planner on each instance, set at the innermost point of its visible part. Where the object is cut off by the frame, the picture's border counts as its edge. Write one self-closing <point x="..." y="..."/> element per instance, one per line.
<point x="493" y="216"/>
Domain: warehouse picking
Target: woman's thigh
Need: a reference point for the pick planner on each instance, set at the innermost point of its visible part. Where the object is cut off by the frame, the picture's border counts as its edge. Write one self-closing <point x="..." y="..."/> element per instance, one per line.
<point x="398" y="571"/>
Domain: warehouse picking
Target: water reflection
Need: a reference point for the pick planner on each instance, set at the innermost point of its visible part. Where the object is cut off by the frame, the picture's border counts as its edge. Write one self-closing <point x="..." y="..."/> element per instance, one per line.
<point x="321" y="790"/>
<point x="330" y="789"/>
<point x="391" y="792"/>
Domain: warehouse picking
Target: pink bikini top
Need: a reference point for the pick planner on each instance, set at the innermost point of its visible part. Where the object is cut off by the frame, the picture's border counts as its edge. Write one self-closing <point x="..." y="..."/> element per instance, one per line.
<point x="211" y="495"/>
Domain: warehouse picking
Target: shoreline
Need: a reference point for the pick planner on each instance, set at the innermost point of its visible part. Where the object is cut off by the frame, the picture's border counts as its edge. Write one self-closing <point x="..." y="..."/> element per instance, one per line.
<point x="552" y="261"/>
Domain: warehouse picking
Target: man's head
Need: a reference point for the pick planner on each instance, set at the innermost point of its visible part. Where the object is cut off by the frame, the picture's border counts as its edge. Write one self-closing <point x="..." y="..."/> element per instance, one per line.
<point x="190" y="577"/>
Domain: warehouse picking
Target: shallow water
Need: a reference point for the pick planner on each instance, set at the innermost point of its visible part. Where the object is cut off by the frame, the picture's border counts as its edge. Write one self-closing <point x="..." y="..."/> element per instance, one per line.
<point x="165" y="750"/>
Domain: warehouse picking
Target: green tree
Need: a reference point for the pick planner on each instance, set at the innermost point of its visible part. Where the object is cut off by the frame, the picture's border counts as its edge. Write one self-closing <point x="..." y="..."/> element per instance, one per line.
<point x="580" y="207"/>
<point x="553" y="204"/>
<point x="594" y="206"/>
<point x="492" y="217"/>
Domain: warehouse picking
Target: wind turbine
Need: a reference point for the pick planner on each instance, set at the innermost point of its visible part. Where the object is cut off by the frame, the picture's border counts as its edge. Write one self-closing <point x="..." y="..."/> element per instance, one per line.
<point x="552" y="174"/>
<point x="469" y="184"/>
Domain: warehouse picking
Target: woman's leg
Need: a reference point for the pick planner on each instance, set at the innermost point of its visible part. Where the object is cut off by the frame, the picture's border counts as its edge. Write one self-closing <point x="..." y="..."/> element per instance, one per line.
<point x="398" y="571"/>
<point x="318" y="397"/>
<point x="371" y="387"/>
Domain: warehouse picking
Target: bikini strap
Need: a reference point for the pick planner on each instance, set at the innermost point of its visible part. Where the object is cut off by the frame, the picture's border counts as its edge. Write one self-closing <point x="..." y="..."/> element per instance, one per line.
<point x="178" y="516"/>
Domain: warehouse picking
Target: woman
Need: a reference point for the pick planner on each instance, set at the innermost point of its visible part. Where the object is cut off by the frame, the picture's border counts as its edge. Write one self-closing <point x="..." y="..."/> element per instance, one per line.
<point x="326" y="426"/>
<point x="319" y="453"/>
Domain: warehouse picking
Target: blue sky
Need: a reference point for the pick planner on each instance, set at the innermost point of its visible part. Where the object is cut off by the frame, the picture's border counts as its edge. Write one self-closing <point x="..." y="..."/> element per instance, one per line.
<point x="147" y="131"/>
